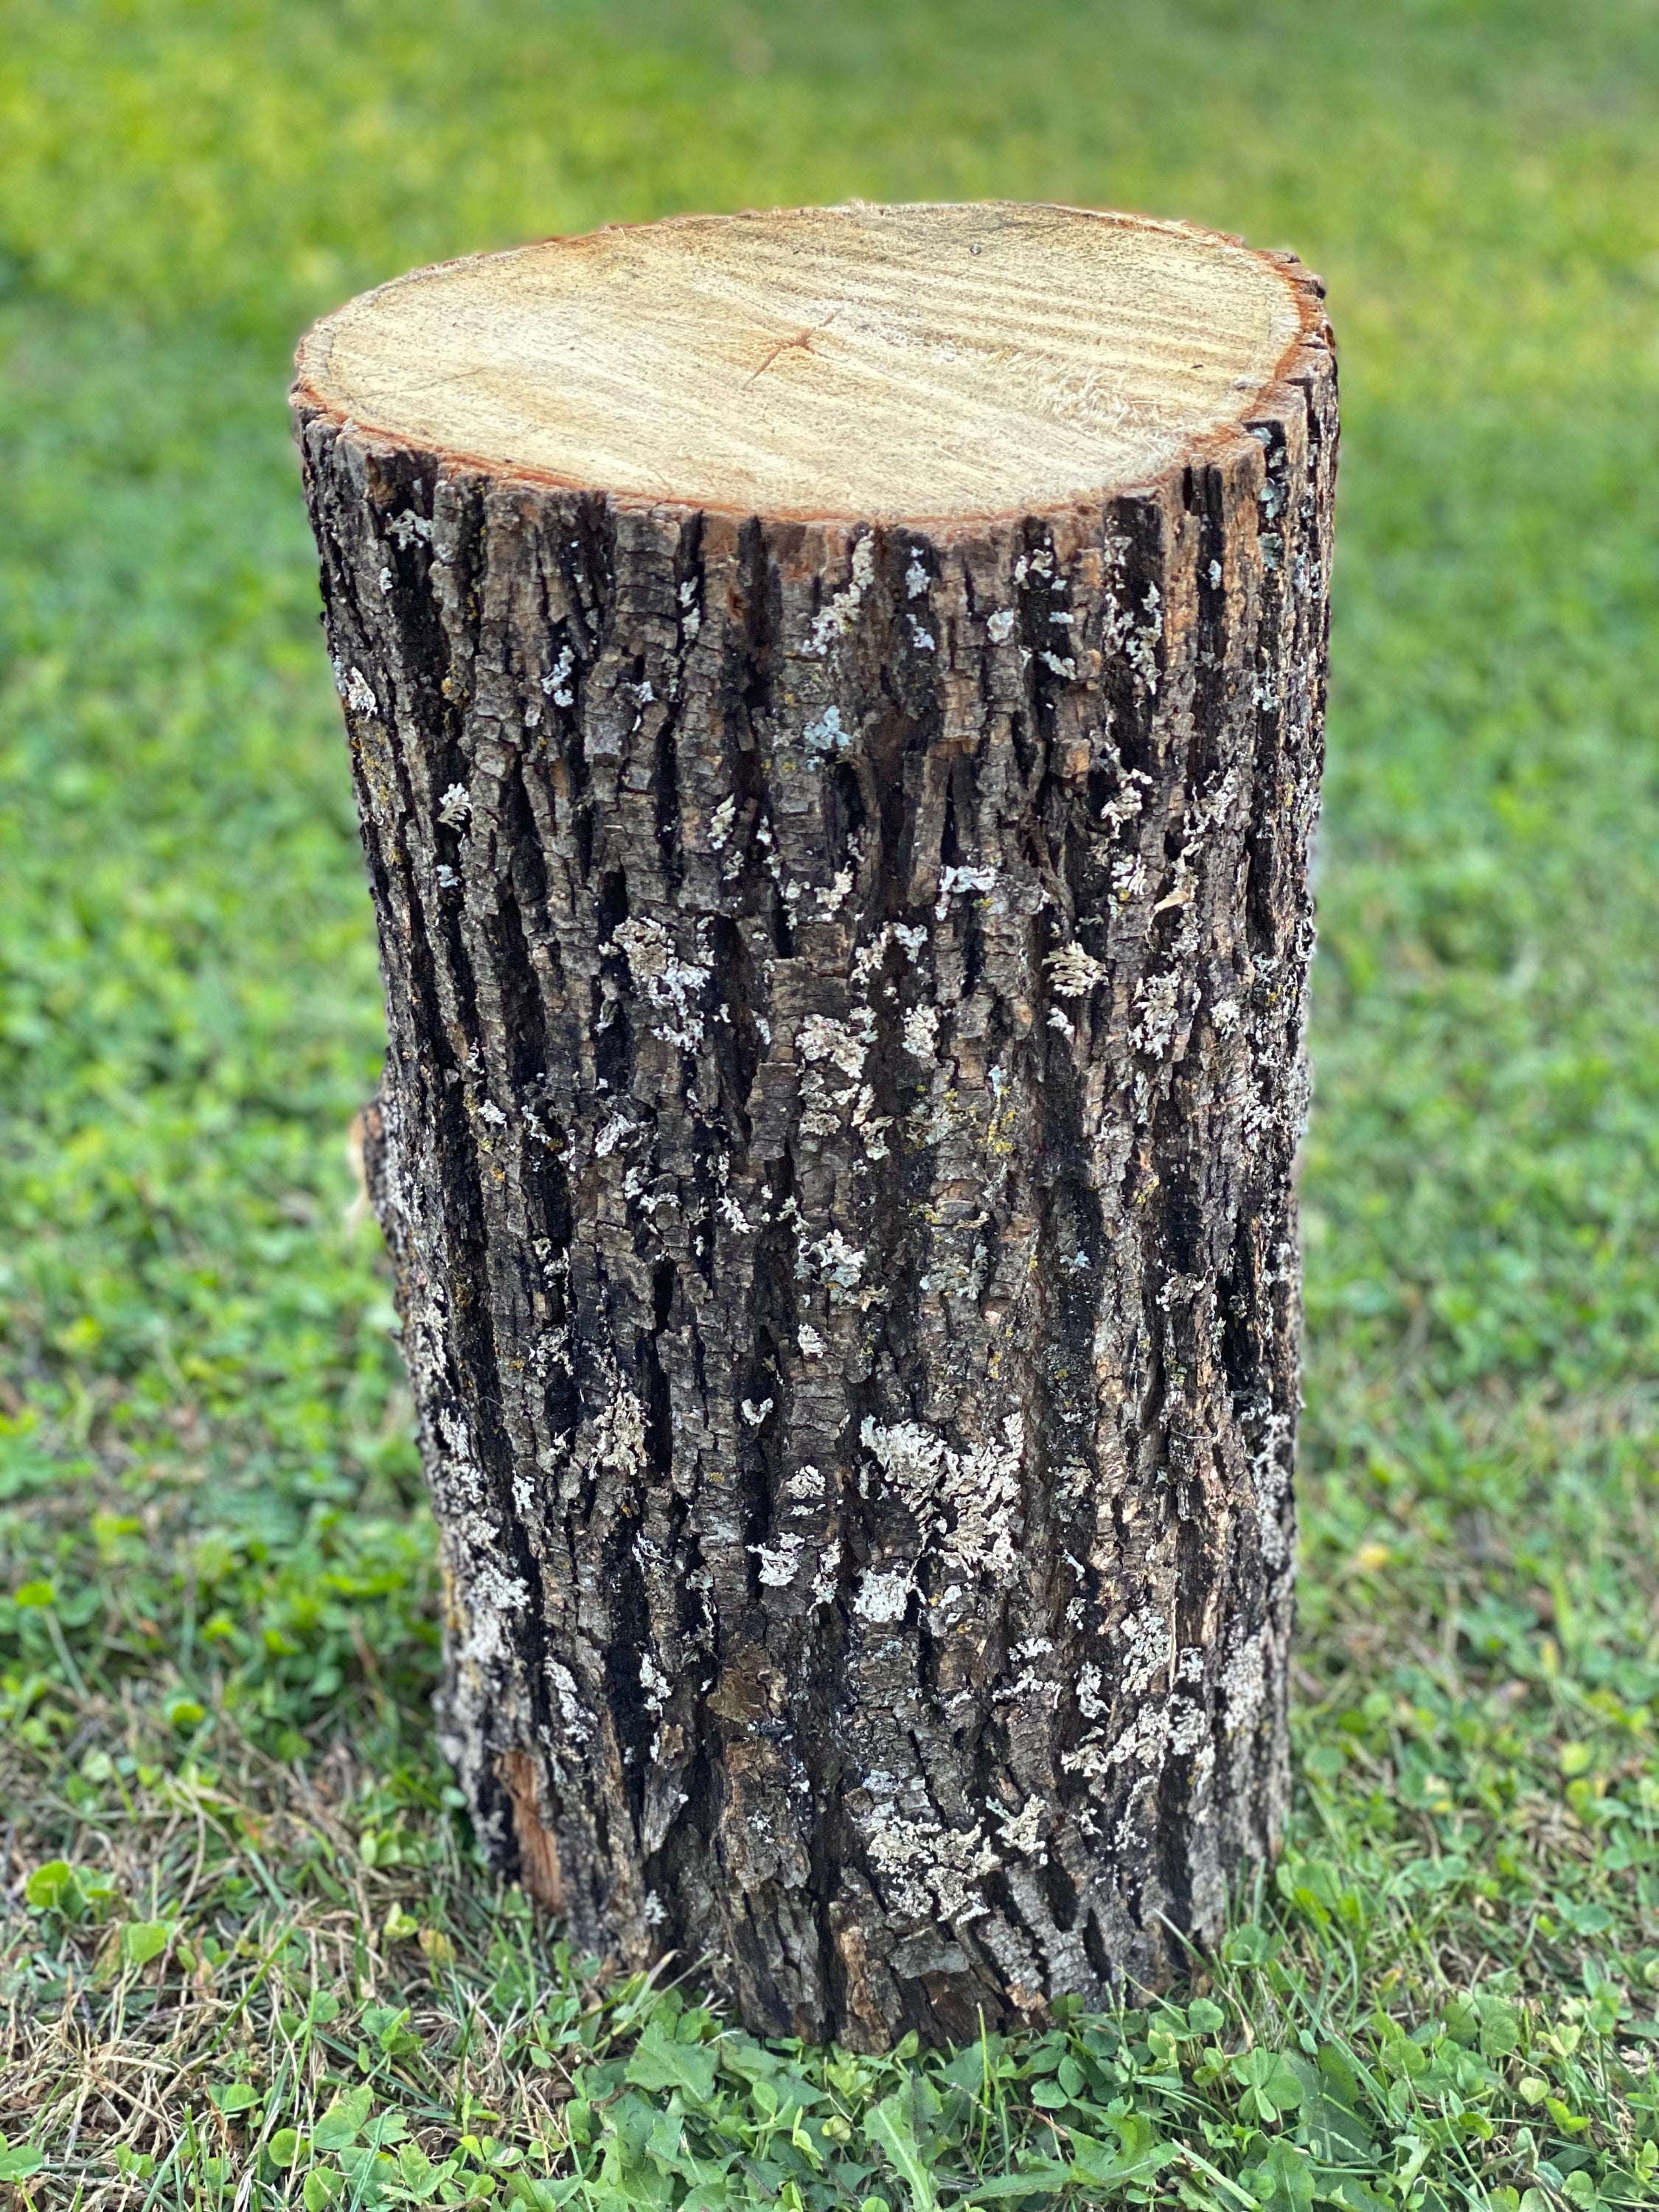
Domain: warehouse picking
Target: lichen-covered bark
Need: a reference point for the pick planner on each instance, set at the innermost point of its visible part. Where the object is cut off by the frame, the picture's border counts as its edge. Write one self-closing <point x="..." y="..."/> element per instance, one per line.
<point x="846" y="992"/>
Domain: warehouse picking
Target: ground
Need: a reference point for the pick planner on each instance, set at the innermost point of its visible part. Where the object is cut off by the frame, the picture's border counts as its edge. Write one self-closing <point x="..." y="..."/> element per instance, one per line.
<point x="250" y="1958"/>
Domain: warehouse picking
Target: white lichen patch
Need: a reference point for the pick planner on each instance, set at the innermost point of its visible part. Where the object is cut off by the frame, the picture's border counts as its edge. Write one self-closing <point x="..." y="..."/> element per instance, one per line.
<point x="871" y="1127"/>
<point x="1270" y="1479"/>
<point x="1189" y="1726"/>
<point x="1021" y="1835"/>
<point x="831" y="901"/>
<point x="359" y="693"/>
<point x="883" y="1597"/>
<point x="911" y="939"/>
<point x="806" y="1488"/>
<point x="1245" y="1682"/>
<point x="956" y="1277"/>
<point x="833" y="1260"/>
<point x="491" y="1585"/>
<point x="911" y="1456"/>
<point x="1090" y="1702"/>
<point x="826" y="737"/>
<point x="654" y="1685"/>
<point x="484" y="1610"/>
<point x="953" y="881"/>
<point x="779" y="1560"/>
<point x="1129" y="878"/>
<point x="578" y="1721"/>
<point x="619" y="1437"/>
<point x="837" y="619"/>
<point x="928" y="1870"/>
<point x="409" y="526"/>
<point x="834" y="1053"/>
<point x="921" y="1030"/>
<point x="819" y="1038"/>
<point x="1144" y="1741"/>
<point x="1125" y="803"/>
<point x="617" y="1130"/>
<point x="999" y="627"/>
<point x="1157" y="1000"/>
<point x="1147" y="1650"/>
<point x="556" y="682"/>
<point x="1072" y="972"/>
<point x="965" y="1504"/>
<point x="671" y="985"/>
<point x="1090" y="1760"/>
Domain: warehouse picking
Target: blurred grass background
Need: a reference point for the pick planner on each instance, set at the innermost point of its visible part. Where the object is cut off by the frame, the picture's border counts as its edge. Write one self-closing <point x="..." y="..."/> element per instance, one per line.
<point x="218" y="1562"/>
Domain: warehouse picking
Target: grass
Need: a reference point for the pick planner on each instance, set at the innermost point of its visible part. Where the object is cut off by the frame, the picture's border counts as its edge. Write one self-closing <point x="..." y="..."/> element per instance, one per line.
<point x="250" y="1959"/>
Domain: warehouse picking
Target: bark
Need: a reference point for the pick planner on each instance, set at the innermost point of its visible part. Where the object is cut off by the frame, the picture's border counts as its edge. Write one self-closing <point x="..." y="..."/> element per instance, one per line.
<point x="846" y="992"/>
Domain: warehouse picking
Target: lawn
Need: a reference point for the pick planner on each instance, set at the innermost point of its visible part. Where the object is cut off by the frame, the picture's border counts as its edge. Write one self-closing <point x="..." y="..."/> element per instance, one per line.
<point x="250" y="1958"/>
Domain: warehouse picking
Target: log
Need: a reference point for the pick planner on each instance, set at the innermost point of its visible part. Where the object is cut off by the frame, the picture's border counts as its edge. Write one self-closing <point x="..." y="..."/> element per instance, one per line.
<point x="835" y="702"/>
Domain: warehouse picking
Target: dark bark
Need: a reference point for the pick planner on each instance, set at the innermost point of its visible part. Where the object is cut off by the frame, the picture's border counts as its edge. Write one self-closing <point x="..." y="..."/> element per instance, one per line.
<point x="846" y="992"/>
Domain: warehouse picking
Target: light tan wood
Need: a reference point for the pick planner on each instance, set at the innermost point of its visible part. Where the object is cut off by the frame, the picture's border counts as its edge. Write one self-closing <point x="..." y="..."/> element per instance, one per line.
<point x="884" y="364"/>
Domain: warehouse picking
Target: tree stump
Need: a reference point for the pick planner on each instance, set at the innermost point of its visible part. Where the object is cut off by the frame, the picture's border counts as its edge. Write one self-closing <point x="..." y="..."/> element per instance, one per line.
<point x="835" y="703"/>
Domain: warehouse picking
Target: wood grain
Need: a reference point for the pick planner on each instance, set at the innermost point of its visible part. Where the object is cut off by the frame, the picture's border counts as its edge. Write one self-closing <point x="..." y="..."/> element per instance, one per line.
<point x="875" y="362"/>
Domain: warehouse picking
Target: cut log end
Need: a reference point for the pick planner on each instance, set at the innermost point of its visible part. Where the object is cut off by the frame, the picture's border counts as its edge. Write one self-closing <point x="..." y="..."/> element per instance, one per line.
<point x="871" y="363"/>
<point x="846" y="981"/>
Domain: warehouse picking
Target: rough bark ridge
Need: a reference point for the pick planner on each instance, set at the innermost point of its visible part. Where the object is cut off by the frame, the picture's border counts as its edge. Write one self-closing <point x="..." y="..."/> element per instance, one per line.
<point x="846" y="992"/>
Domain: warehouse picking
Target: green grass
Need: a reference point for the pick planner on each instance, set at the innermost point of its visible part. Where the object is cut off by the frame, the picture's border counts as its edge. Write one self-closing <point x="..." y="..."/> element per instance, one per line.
<point x="249" y="1957"/>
